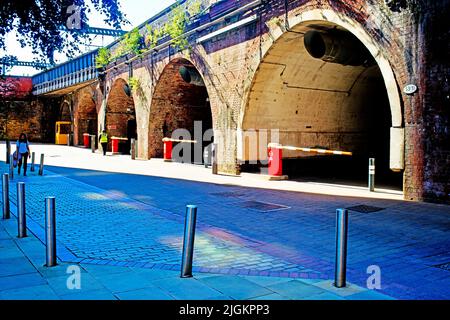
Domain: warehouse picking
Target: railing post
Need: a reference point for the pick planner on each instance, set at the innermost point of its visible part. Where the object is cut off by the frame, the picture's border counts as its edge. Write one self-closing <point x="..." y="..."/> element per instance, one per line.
<point x="214" y="158"/>
<point x="8" y="150"/>
<point x="136" y="149"/>
<point x="133" y="149"/>
<point x="41" y="165"/>
<point x="5" y="195"/>
<point x="21" y="210"/>
<point x="341" y="248"/>
<point x="32" y="161"/>
<point x="188" y="242"/>
<point x="371" y="174"/>
<point x="50" y="232"/>
<point x="93" y="140"/>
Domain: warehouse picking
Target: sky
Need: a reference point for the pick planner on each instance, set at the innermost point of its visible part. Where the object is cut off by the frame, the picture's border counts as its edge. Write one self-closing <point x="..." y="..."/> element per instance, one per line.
<point x="137" y="12"/>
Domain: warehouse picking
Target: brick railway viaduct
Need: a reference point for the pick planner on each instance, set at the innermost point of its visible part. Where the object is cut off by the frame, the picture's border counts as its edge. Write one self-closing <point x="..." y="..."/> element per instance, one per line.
<point x="256" y="71"/>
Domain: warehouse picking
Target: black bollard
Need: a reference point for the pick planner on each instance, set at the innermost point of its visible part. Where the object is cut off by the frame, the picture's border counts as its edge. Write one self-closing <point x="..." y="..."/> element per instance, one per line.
<point x="50" y="231"/>
<point x="188" y="243"/>
<point x="8" y="150"/>
<point x="5" y="196"/>
<point x="21" y="211"/>
<point x="41" y="165"/>
<point x="340" y="275"/>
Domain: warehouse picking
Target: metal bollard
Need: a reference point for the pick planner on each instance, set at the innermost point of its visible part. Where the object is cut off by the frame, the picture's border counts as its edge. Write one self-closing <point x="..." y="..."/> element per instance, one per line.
<point x="32" y="161"/>
<point x="371" y="174"/>
<point x="8" y="150"/>
<point x="50" y="232"/>
<point x="70" y="139"/>
<point x="341" y="248"/>
<point x="188" y="243"/>
<point x="11" y="167"/>
<point x="93" y="143"/>
<point x="214" y="158"/>
<point x="5" y="196"/>
<point x="21" y="211"/>
<point x="41" y="165"/>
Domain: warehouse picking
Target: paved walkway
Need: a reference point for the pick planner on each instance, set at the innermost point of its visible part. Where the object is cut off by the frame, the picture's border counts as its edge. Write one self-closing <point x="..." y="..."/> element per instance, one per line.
<point x="115" y="273"/>
<point x="136" y="221"/>
<point x="24" y="276"/>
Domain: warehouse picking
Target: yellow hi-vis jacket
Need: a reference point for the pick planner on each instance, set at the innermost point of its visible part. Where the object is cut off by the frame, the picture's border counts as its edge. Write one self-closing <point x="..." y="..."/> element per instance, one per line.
<point x="103" y="138"/>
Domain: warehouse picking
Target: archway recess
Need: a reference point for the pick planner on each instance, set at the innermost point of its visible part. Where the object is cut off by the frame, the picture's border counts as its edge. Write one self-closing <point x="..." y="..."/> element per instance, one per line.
<point x="85" y="118"/>
<point x="64" y="113"/>
<point x="120" y="118"/>
<point x="180" y="101"/>
<point x="321" y="85"/>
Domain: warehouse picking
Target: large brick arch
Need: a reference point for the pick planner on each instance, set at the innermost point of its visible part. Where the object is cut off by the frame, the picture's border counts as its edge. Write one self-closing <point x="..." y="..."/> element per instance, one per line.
<point x="85" y="115"/>
<point x="176" y="104"/>
<point x="286" y="75"/>
<point x="327" y="15"/>
<point x="119" y="113"/>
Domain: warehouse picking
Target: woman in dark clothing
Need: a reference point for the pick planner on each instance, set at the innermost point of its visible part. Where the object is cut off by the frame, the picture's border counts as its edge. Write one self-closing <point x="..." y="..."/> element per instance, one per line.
<point x="23" y="152"/>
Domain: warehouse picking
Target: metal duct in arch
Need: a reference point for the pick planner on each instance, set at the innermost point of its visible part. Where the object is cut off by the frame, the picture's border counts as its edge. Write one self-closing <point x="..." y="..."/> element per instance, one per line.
<point x="191" y="75"/>
<point x="337" y="46"/>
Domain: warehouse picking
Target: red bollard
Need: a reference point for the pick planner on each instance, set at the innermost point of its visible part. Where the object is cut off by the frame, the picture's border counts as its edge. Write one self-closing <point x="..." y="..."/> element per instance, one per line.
<point x="86" y="140"/>
<point x="167" y="149"/>
<point x="275" y="153"/>
<point x="115" y="145"/>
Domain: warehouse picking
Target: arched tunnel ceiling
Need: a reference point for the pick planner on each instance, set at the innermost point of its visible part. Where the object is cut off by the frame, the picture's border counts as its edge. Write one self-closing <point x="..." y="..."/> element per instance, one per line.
<point x="310" y="101"/>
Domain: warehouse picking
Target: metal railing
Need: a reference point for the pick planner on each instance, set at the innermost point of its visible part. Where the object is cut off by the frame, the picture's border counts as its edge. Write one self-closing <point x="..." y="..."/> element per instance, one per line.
<point x="82" y="69"/>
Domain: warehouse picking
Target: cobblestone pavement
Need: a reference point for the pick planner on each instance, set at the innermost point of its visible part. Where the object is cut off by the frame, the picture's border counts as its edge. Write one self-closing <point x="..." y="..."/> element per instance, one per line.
<point x="108" y="228"/>
<point x="98" y="222"/>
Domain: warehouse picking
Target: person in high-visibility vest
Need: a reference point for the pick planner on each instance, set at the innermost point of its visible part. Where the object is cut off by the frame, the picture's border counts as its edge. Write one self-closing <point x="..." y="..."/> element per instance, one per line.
<point x="104" y="141"/>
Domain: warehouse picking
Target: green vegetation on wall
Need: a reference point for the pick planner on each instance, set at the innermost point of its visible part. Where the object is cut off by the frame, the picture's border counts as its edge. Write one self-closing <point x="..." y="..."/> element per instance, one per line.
<point x="135" y="43"/>
<point x="103" y="58"/>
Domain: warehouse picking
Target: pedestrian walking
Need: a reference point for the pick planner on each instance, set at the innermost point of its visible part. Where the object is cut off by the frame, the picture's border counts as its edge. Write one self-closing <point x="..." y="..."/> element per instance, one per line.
<point x="103" y="139"/>
<point x="23" y="152"/>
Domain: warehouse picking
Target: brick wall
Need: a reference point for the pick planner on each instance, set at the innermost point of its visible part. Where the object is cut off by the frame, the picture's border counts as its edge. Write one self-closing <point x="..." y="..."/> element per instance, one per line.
<point x="21" y="116"/>
<point x="435" y="90"/>
<point x="35" y="117"/>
